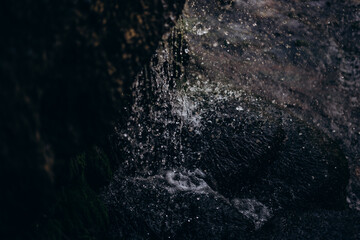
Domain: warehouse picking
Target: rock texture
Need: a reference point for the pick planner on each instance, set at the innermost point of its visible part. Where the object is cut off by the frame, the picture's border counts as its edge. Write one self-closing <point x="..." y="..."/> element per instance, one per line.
<point x="240" y="163"/>
<point x="302" y="55"/>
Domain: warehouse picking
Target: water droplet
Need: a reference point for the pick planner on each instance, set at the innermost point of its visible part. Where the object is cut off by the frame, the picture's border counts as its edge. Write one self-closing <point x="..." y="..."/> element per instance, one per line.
<point x="239" y="108"/>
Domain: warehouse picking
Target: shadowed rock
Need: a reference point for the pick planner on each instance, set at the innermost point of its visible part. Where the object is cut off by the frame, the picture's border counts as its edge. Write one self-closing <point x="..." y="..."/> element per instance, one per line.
<point x="175" y="205"/>
<point x="250" y="161"/>
<point x="204" y="139"/>
<point x="318" y="224"/>
<point x="302" y="55"/>
<point x="270" y="155"/>
<point x="66" y="70"/>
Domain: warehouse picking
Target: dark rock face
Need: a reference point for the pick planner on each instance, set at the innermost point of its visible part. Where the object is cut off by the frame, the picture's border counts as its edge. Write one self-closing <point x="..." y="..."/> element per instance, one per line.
<point x="66" y="70"/>
<point x="207" y="161"/>
<point x="198" y="160"/>
<point x="319" y="224"/>
<point x="175" y="205"/>
<point x="273" y="157"/>
<point x="302" y="55"/>
<point x="250" y="162"/>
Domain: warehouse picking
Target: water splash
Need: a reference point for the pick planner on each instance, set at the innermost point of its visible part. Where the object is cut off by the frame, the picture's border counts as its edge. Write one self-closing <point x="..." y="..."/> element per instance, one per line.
<point x="187" y="181"/>
<point x="166" y="110"/>
<point x="254" y="210"/>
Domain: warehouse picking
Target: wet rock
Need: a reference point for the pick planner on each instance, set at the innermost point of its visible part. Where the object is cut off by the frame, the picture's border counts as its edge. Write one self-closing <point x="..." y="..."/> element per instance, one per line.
<point x="302" y="55"/>
<point x="320" y="224"/>
<point x="172" y="205"/>
<point x="253" y="156"/>
<point x="248" y="158"/>
<point x="272" y="156"/>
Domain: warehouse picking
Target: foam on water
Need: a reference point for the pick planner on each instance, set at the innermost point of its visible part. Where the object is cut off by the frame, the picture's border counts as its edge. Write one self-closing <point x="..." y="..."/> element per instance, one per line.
<point x="187" y="181"/>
